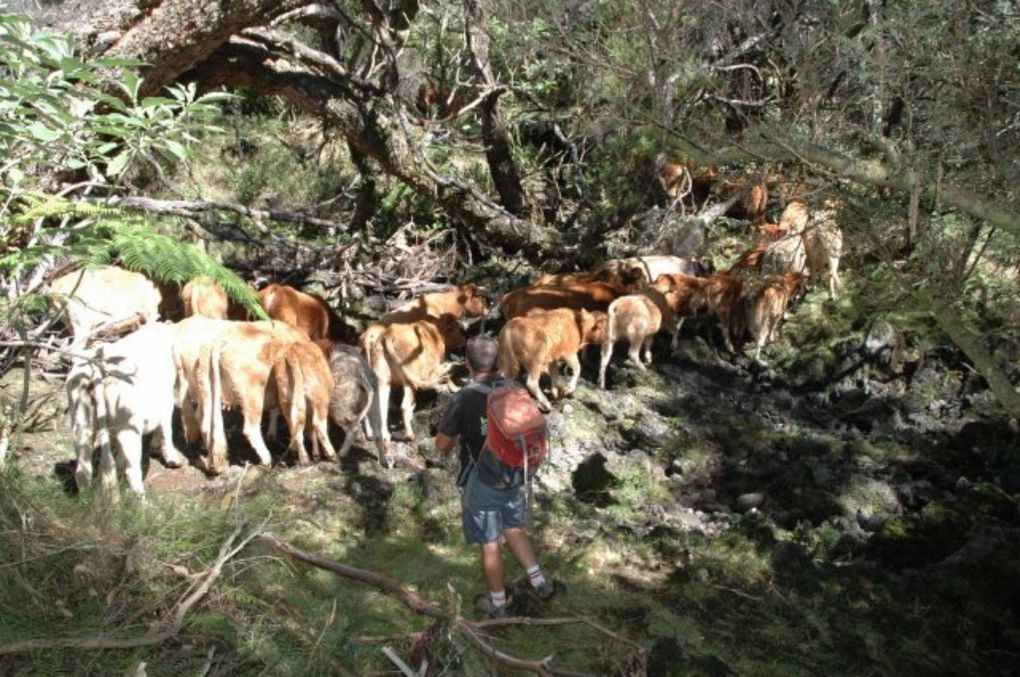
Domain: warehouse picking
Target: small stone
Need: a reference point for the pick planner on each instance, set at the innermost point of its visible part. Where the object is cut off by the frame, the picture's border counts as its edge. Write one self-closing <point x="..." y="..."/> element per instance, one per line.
<point x="750" y="501"/>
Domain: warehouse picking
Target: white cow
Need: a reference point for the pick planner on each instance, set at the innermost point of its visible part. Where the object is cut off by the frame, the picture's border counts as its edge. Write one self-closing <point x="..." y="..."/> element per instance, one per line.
<point x="122" y="391"/>
<point x="96" y="296"/>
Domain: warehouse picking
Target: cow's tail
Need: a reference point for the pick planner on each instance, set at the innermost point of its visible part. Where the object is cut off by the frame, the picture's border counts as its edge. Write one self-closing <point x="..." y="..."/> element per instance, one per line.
<point x="212" y="410"/>
<point x="81" y="403"/>
<point x="612" y="331"/>
<point x="369" y="338"/>
<point x="509" y="365"/>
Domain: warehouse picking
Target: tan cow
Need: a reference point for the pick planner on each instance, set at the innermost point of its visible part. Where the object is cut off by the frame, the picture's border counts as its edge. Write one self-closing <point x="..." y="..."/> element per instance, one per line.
<point x="308" y="312"/>
<point x="221" y="363"/>
<point x="794" y="218"/>
<point x="412" y="356"/>
<point x="536" y="343"/>
<point x="785" y="255"/>
<point x="118" y="393"/>
<point x="638" y="318"/>
<point x="98" y="296"/>
<point x="764" y="305"/>
<point x="467" y="299"/>
<point x="204" y="297"/>
<point x="823" y="244"/>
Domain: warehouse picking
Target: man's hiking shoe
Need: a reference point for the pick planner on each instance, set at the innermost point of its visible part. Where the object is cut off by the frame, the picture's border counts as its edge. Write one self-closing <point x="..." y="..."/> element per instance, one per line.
<point x="483" y="603"/>
<point x="545" y="591"/>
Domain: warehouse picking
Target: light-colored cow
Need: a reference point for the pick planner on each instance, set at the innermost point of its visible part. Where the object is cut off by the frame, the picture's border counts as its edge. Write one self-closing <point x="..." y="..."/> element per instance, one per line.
<point x="98" y="296"/>
<point x="122" y="391"/>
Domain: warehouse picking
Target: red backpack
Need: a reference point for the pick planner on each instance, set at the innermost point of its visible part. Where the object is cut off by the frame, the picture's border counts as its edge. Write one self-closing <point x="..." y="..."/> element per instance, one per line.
<point x="515" y="438"/>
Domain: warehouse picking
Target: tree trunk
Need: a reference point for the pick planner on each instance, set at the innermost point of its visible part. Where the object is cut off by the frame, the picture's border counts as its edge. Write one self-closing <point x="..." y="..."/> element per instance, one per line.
<point x="498" y="149"/>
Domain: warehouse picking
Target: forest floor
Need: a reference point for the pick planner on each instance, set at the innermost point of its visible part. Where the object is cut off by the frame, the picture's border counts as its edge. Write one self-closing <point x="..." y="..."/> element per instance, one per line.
<point x="849" y="509"/>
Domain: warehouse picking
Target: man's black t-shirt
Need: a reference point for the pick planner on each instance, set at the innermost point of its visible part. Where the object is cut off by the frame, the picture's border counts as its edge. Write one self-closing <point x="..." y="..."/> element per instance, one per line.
<point x="465" y="418"/>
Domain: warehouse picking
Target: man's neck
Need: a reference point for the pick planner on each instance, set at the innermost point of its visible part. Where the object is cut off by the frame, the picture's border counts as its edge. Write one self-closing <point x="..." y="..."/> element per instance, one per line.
<point x="483" y="375"/>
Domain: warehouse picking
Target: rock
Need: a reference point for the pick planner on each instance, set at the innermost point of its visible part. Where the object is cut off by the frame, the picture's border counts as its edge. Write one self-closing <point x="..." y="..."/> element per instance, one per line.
<point x="866" y="497"/>
<point x="651" y="430"/>
<point x="755" y="499"/>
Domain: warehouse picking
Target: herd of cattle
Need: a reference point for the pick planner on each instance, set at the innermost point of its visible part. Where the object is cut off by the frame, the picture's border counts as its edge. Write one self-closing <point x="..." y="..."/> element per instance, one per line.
<point x="310" y="366"/>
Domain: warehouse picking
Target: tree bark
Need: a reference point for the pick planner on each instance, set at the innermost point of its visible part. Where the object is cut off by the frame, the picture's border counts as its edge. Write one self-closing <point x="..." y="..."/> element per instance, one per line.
<point x="498" y="149"/>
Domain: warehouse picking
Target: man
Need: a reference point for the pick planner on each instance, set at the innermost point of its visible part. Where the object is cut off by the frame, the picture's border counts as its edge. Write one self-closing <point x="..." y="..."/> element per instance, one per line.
<point x="487" y="513"/>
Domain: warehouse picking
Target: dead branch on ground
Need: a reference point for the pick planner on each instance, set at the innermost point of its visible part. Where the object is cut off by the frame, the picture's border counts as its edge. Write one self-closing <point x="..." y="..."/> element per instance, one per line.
<point x="471" y="630"/>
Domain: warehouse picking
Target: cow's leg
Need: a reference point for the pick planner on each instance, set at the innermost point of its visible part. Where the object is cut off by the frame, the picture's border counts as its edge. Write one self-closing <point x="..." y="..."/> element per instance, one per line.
<point x="172" y="457"/>
<point x="251" y="408"/>
<point x="81" y="434"/>
<point x="321" y="436"/>
<point x="634" y="351"/>
<point x="108" y="472"/>
<point x="607" y="355"/>
<point x="534" y="374"/>
<point x="648" y="349"/>
<point x="383" y="400"/>
<point x="834" y="282"/>
<point x="575" y="369"/>
<point x="129" y="443"/>
<point x="724" y="321"/>
<point x="272" y="432"/>
<point x="407" y="411"/>
<point x="675" y="343"/>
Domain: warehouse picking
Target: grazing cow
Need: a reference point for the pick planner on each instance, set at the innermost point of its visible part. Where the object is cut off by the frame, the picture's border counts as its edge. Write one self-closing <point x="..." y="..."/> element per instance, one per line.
<point x="204" y="297"/>
<point x="588" y="295"/>
<point x="682" y="294"/>
<point x="651" y="267"/>
<point x="412" y="356"/>
<point x="221" y="363"/>
<point x="765" y="304"/>
<point x="680" y="179"/>
<point x="721" y="297"/>
<point x="353" y="397"/>
<point x="467" y="299"/>
<point x="823" y="244"/>
<point x="536" y="343"/>
<point x="117" y="393"/>
<point x="104" y="295"/>
<point x="637" y="318"/>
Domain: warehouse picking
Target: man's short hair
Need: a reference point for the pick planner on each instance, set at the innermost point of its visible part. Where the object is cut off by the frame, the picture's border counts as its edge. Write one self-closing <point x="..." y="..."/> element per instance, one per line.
<point x="481" y="353"/>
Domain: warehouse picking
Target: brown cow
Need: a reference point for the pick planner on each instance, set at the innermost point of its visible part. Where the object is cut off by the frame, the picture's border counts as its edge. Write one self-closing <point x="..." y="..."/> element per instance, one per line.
<point x="765" y="304"/>
<point x="467" y="299"/>
<point x="104" y="295"/>
<point x="720" y="297"/>
<point x="749" y="261"/>
<point x="409" y="355"/>
<point x="588" y="295"/>
<point x="308" y="312"/>
<point x="204" y="297"/>
<point x="536" y="343"/>
<point x="795" y="217"/>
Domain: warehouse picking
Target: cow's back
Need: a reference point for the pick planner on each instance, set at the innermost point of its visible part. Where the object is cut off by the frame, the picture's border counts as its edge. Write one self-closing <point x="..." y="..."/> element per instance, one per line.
<point x="204" y="297"/>
<point x="107" y="294"/>
<point x="786" y="255"/>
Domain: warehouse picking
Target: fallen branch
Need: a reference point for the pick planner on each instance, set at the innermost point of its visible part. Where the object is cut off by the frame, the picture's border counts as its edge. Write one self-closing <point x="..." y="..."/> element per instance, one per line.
<point x="154" y="636"/>
<point x="412" y="601"/>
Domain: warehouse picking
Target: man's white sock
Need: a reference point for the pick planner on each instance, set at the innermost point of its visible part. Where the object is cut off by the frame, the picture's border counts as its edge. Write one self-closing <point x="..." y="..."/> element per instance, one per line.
<point x="535" y="575"/>
<point x="498" y="598"/>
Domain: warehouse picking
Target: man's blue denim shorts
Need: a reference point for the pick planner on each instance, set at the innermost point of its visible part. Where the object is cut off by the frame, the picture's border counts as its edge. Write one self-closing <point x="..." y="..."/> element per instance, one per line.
<point x="486" y="512"/>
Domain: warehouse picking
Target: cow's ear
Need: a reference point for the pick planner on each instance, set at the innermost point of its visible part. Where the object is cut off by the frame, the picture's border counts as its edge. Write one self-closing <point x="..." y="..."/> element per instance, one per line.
<point x="462" y="298"/>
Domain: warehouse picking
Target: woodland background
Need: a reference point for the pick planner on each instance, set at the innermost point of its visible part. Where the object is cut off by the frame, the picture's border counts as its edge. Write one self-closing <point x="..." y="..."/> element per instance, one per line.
<point x="849" y="508"/>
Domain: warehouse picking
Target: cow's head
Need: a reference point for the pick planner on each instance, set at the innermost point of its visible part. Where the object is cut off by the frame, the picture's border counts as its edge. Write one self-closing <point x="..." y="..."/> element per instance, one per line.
<point x="449" y="328"/>
<point x="472" y="300"/>
<point x="592" y="325"/>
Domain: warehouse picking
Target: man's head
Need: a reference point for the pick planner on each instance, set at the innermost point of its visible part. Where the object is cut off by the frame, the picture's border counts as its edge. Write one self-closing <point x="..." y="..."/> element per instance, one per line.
<point x="480" y="353"/>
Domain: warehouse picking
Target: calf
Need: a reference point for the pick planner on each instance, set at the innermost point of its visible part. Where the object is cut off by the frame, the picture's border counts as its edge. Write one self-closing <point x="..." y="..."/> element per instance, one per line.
<point x="534" y="344"/>
<point x="765" y="304"/>
<point x="720" y="297"/>
<point x="411" y="356"/>
<point x="587" y="295"/>
<point x="637" y="318"/>
<point x="823" y="244"/>
<point x="785" y="255"/>
<point x="353" y="396"/>
<point x="122" y="391"/>
<point x="629" y="279"/>
<point x="204" y="297"/>
<point x="467" y="299"/>
<point x="97" y="296"/>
